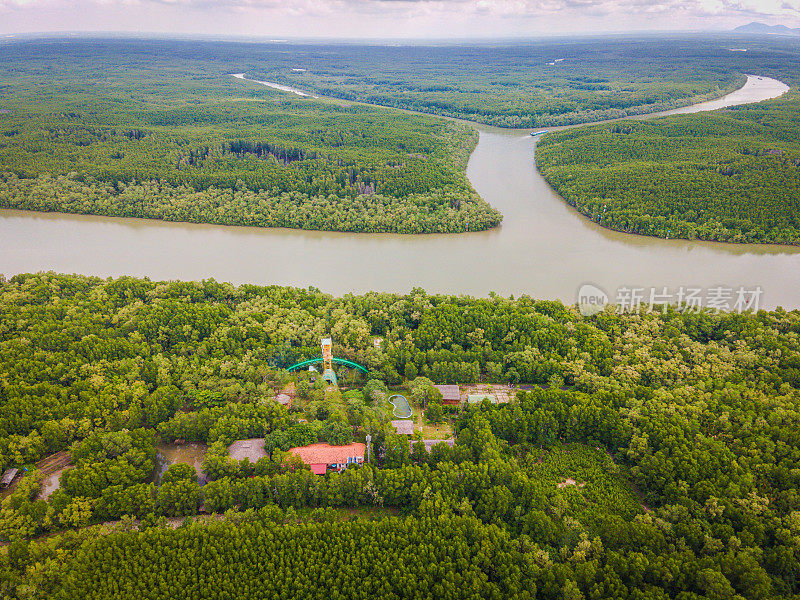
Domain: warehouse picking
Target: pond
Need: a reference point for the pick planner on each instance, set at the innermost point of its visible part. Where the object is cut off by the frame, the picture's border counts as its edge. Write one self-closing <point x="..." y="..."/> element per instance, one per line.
<point x="191" y="453"/>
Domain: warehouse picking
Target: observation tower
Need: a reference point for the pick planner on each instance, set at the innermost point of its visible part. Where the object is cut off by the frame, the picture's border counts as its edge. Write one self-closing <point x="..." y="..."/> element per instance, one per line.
<point x="327" y="361"/>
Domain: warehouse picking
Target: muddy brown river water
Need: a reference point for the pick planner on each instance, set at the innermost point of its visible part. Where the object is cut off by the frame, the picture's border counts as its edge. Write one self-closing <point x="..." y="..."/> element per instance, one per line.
<point x="543" y="248"/>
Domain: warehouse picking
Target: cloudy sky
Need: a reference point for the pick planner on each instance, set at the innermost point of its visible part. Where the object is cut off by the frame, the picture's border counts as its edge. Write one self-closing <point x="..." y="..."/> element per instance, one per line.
<point x="389" y="18"/>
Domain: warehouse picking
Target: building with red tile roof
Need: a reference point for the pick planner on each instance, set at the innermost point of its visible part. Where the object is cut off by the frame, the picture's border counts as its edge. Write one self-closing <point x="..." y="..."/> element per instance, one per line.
<point x="321" y="457"/>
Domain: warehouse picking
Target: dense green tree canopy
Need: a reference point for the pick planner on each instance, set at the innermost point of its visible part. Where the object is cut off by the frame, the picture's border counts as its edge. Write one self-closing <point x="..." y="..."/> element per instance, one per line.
<point x="113" y="130"/>
<point x="664" y="467"/>
<point x="525" y="84"/>
<point x="649" y="455"/>
<point x="731" y="175"/>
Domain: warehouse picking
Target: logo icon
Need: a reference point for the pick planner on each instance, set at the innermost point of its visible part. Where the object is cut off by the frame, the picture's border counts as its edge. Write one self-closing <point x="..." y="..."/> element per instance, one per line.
<point x="591" y="299"/>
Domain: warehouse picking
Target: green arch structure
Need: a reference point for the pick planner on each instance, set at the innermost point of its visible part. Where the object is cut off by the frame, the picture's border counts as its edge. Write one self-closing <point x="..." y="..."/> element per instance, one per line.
<point x="340" y="361"/>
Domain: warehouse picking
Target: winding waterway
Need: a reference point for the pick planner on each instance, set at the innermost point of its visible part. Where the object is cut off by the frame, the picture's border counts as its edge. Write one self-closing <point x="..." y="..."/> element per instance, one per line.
<point x="277" y="86"/>
<point x="543" y="248"/>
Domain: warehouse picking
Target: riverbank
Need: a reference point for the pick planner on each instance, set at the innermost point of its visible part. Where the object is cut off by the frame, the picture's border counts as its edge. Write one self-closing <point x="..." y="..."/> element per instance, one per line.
<point x="276" y="86"/>
<point x="725" y="177"/>
<point x="754" y="89"/>
<point x="200" y="154"/>
<point x="520" y="93"/>
<point x="544" y="248"/>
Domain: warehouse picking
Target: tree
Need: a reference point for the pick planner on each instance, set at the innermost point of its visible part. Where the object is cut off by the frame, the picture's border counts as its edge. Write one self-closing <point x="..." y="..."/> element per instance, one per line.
<point x="397" y="451"/>
<point x="78" y="513"/>
<point x="337" y="434"/>
<point x="434" y="413"/>
<point x="179" y="498"/>
<point x="422" y="390"/>
<point x="179" y="472"/>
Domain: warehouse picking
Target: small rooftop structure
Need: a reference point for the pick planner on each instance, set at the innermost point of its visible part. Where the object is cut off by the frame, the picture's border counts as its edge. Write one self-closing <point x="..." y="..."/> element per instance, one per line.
<point x="8" y="477"/>
<point x="283" y="399"/>
<point x="252" y="449"/>
<point x="478" y="398"/>
<point x="403" y="426"/>
<point x="450" y="393"/>
<point x="319" y="468"/>
<point x="320" y="457"/>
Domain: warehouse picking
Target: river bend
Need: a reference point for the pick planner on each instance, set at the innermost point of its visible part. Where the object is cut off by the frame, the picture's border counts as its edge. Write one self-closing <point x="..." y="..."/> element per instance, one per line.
<point x="544" y="248"/>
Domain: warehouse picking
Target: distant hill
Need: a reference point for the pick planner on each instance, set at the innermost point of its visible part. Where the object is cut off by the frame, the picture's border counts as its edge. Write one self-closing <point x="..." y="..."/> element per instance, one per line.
<point x="763" y="28"/>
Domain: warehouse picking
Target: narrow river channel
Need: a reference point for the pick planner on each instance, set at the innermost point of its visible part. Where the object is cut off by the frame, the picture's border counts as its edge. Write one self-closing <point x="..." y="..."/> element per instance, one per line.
<point x="543" y="248"/>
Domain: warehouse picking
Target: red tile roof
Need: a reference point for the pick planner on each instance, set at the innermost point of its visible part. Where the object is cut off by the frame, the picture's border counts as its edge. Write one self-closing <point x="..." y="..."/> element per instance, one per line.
<point x="316" y="454"/>
<point x="319" y="469"/>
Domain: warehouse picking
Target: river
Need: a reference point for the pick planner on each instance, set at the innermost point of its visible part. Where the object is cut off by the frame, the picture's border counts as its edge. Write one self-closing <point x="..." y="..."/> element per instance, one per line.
<point x="543" y="248"/>
<point x="277" y="86"/>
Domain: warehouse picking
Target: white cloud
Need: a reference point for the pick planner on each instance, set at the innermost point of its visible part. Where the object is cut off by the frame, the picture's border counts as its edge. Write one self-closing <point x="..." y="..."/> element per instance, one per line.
<point x="388" y="18"/>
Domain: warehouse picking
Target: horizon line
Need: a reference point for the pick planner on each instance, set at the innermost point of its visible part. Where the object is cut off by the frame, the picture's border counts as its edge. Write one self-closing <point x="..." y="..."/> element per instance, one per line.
<point x="270" y="38"/>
